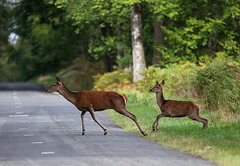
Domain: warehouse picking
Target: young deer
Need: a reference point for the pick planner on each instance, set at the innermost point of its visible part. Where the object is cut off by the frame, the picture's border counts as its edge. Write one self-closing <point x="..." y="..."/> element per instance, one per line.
<point x="95" y="101"/>
<point x="173" y="108"/>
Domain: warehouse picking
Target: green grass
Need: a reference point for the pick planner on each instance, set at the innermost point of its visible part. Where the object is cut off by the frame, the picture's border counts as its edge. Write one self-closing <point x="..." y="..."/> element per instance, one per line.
<point x="220" y="143"/>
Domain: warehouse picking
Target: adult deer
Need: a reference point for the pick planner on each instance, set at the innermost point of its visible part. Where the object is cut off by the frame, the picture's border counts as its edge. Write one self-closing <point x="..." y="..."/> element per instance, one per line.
<point x="90" y="101"/>
<point x="173" y="108"/>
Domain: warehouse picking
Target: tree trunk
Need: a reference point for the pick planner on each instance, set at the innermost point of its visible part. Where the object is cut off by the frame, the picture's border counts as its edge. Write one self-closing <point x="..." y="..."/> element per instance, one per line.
<point x="139" y="63"/>
<point x="158" y="40"/>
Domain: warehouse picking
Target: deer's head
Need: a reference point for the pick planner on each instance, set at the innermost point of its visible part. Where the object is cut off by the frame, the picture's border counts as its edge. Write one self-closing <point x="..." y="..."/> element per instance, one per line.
<point x="158" y="87"/>
<point x="55" y="87"/>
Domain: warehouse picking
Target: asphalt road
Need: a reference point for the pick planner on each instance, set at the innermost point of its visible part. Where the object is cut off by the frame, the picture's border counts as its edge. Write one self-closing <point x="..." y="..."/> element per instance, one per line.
<point x="44" y="129"/>
<point x="20" y="86"/>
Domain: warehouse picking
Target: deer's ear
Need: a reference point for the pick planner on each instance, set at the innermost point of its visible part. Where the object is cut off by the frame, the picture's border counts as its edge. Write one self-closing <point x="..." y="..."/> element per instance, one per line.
<point x="57" y="78"/>
<point x="157" y="83"/>
<point x="163" y="82"/>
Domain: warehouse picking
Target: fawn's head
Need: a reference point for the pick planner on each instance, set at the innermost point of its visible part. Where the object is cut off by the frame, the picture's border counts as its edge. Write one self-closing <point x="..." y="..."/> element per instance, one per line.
<point x="55" y="87"/>
<point x="158" y="87"/>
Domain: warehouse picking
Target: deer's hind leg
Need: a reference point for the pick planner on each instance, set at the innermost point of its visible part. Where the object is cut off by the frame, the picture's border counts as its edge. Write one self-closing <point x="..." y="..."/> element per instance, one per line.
<point x="124" y="112"/>
<point x="196" y="116"/>
<point x="200" y="119"/>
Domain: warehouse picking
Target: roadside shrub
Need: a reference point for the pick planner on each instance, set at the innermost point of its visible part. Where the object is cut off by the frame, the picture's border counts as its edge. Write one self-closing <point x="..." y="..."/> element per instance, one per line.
<point x="219" y="85"/>
<point x="178" y="79"/>
<point x="76" y="77"/>
<point x="113" y="80"/>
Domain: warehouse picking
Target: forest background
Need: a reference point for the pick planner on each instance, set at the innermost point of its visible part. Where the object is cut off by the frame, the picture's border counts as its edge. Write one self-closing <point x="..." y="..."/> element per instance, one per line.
<point x="139" y="36"/>
<point x="52" y="34"/>
<point x="194" y="45"/>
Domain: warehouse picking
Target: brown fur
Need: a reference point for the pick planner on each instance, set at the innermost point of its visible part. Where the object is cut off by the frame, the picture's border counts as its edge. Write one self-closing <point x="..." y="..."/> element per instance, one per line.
<point x="100" y="100"/>
<point x="173" y="108"/>
<point x="90" y="101"/>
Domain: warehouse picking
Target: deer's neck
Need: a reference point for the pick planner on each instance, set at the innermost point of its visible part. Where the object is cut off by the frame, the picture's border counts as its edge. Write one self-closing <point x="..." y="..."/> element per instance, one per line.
<point x="160" y="99"/>
<point x="67" y="94"/>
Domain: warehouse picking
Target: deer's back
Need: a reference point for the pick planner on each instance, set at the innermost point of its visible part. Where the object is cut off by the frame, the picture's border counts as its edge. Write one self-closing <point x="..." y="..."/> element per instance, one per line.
<point x="179" y="108"/>
<point x="99" y="100"/>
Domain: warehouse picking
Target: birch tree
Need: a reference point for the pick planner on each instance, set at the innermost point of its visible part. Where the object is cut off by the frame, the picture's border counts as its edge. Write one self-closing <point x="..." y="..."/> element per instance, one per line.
<point x="139" y="63"/>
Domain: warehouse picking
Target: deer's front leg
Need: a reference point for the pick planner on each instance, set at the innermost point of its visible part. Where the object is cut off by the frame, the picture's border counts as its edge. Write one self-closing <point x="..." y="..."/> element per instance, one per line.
<point x="82" y="118"/>
<point x="157" y="121"/>
<point x="154" y="124"/>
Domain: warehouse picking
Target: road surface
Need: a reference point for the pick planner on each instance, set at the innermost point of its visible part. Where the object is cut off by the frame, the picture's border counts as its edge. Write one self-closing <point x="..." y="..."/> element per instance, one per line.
<point x="44" y="129"/>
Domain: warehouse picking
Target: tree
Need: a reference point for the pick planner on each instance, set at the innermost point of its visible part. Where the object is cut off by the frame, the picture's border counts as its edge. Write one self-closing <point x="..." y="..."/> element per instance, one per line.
<point x="99" y="20"/>
<point x="171" y="30"/>
<point x="6" y="68"/>
<point x="4" y="23"/>
<point x="44" y="29"/>
<point x="139" y="63"/>
<point x="198" y="30"/>
<point x="112" y="27"/>
<point x="158" y="41"/>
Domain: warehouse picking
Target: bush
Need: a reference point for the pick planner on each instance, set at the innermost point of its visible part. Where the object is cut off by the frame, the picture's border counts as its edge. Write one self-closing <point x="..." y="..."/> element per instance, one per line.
<point x="178" y="78"/>
<point x="219" y="85"/>
<point x="113" y="80"/>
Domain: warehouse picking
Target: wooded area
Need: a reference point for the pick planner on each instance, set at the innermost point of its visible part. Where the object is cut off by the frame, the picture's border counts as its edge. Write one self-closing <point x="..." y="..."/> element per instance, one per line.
<point x="52" y="34"/>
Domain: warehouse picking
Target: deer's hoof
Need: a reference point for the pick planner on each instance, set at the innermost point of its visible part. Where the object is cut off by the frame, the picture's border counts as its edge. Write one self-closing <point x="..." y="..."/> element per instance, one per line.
<point x="83" y="132"/>
<point x="105" y="132"/>
<point x="145" y="134"/>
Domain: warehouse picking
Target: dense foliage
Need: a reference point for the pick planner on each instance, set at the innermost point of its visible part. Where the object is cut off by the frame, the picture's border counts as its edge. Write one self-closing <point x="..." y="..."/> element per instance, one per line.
<point x="218" y="85"/>
<point x="198" y="30"/>
<point x="49" y="37"/>
<point x="5" y="22"/>
<point x="53" y="33"/>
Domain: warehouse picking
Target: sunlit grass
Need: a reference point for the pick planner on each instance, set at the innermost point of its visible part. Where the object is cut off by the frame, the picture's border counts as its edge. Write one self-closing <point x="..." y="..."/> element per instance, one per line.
<point x="220" y="143"/>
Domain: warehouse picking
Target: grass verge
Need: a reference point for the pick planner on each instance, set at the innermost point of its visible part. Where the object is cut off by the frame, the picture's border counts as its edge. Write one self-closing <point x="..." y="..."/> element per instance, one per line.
<point x="220" y="143"/>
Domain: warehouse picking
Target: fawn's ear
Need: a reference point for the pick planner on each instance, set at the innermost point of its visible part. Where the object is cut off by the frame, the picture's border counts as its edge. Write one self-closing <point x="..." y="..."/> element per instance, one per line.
<point x="163" y="82"/>
<point x="157" y="83"/>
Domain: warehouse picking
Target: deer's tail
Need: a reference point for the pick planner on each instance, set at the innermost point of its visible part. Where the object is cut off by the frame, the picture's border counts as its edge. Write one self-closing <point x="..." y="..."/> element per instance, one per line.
<point x="125" y="97"/>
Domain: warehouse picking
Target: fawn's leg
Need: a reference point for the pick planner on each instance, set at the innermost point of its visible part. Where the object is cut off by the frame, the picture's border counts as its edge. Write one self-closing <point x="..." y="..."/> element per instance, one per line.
<point x="157" y="121"/>
<point x="200" y="119"/>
